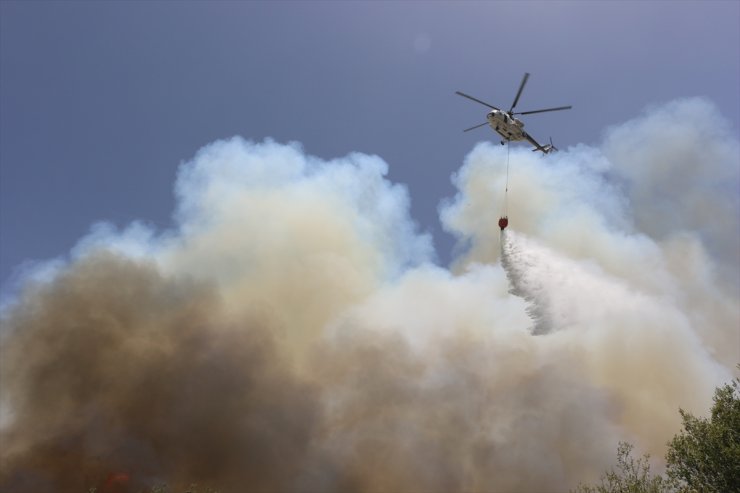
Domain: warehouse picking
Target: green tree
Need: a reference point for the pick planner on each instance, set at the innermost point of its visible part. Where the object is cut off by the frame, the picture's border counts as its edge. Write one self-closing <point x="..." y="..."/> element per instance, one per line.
<point x="630" y="476"/>
<point x="703" y="458"/>
<point x="705" y="455"/>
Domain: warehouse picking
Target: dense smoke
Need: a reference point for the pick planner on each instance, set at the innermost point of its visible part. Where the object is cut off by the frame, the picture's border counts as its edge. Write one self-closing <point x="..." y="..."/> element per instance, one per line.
<point x="291" y="332"/>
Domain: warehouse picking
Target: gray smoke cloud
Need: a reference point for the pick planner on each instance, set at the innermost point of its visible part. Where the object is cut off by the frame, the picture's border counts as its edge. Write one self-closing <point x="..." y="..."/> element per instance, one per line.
<point x="291" y="332"/>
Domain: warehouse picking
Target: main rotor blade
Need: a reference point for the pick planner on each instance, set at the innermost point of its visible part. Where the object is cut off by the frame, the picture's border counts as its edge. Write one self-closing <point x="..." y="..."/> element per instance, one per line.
<point x="519" y="92"/>
<point x="542" y="111"/>
<point x="477" y="126"/>
<point x="476" y="100"/>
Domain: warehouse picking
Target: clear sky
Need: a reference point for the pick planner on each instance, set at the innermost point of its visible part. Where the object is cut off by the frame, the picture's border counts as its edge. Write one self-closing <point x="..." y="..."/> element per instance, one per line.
<point x="101" y="101"/>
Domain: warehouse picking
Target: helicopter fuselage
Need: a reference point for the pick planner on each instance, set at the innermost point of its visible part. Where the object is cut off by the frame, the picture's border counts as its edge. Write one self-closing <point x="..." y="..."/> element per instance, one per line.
<point x="507" y="126"/>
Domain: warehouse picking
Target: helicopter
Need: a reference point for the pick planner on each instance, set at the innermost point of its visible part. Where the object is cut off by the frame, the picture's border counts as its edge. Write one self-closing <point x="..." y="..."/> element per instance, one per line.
<point x="507" y="125"/>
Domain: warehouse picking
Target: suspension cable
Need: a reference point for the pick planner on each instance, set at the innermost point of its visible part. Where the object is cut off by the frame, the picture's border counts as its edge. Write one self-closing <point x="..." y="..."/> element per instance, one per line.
<point x="506" y="192"/>
<point x="503" y="221"/>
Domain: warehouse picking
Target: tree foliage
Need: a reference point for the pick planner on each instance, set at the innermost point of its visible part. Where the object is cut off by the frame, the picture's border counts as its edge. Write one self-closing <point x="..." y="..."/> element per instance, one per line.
<point x="630" y="476"/>
<point x="704" y="457"/>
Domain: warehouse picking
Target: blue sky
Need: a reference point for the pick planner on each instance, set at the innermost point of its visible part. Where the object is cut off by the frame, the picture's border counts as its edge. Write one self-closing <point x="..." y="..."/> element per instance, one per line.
<point x="100" y="102"/>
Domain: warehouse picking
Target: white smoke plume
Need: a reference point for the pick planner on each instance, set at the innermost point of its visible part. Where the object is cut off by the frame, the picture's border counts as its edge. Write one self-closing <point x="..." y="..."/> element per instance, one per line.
<point x="291" y="332"/>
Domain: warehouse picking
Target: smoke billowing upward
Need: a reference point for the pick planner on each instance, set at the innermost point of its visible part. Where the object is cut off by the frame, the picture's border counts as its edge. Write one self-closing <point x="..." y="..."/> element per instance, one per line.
<point x="114" y="368"/>
<point x="291" y="333"/>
